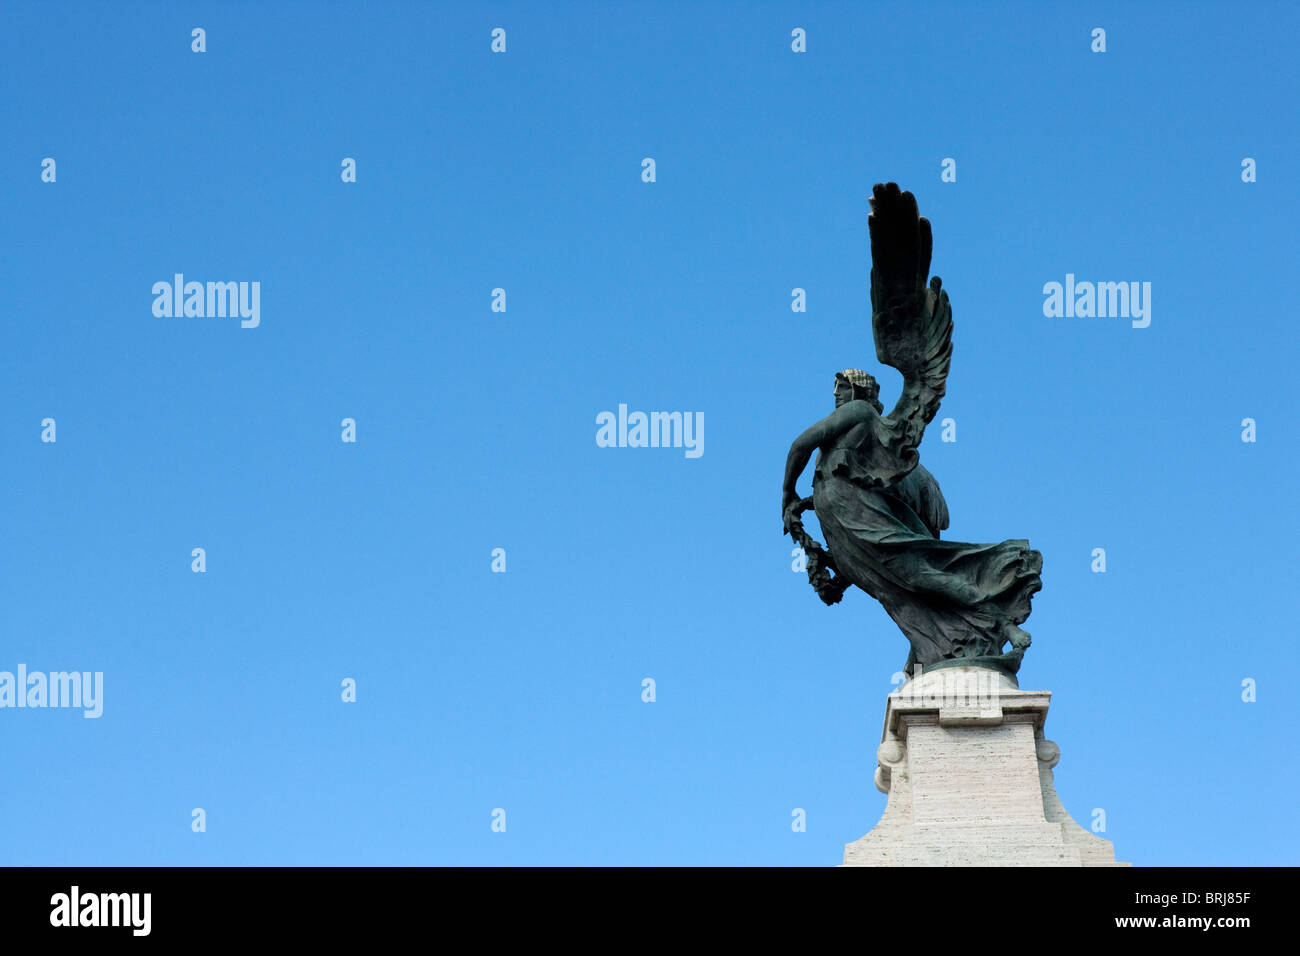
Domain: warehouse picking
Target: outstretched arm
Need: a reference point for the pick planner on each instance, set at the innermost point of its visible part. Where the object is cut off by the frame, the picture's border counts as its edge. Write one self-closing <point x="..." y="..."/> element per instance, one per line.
<point x="797" y="461"/>
<point x="829" y="428"/>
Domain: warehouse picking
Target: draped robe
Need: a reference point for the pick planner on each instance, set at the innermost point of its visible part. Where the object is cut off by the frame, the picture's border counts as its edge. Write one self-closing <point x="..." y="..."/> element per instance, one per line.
<point x="881" y="512"/>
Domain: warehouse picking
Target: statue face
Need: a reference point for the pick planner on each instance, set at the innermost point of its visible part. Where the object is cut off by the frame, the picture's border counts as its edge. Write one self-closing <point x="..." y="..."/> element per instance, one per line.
<point x="843" y="392"/>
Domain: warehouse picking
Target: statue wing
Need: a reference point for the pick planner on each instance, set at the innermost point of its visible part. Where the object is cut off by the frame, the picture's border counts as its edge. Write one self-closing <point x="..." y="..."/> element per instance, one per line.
<point x="911" y="322"/>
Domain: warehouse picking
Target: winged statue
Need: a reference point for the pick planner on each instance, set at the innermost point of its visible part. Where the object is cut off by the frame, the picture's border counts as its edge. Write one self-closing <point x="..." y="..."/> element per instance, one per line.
<point x="880" y="510"/>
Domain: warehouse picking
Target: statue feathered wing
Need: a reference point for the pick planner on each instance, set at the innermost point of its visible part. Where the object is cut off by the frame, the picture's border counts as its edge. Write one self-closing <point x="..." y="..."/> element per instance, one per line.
<point x="912" y="325"/>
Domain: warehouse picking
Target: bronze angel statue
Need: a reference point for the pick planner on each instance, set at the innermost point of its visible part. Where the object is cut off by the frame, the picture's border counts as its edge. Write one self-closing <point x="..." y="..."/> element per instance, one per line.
<point x="880" y="510"/>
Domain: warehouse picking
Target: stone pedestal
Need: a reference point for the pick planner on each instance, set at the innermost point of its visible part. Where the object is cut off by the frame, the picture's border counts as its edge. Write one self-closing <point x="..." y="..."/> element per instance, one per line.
<point x="969" y="778"/>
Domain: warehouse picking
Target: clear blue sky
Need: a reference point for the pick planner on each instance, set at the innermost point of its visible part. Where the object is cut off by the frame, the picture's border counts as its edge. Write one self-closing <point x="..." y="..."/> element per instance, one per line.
<point x="476" y="429"/>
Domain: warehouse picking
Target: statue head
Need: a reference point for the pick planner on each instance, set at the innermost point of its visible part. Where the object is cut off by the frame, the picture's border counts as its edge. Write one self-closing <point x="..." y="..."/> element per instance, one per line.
<point x="852" y="384"/>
